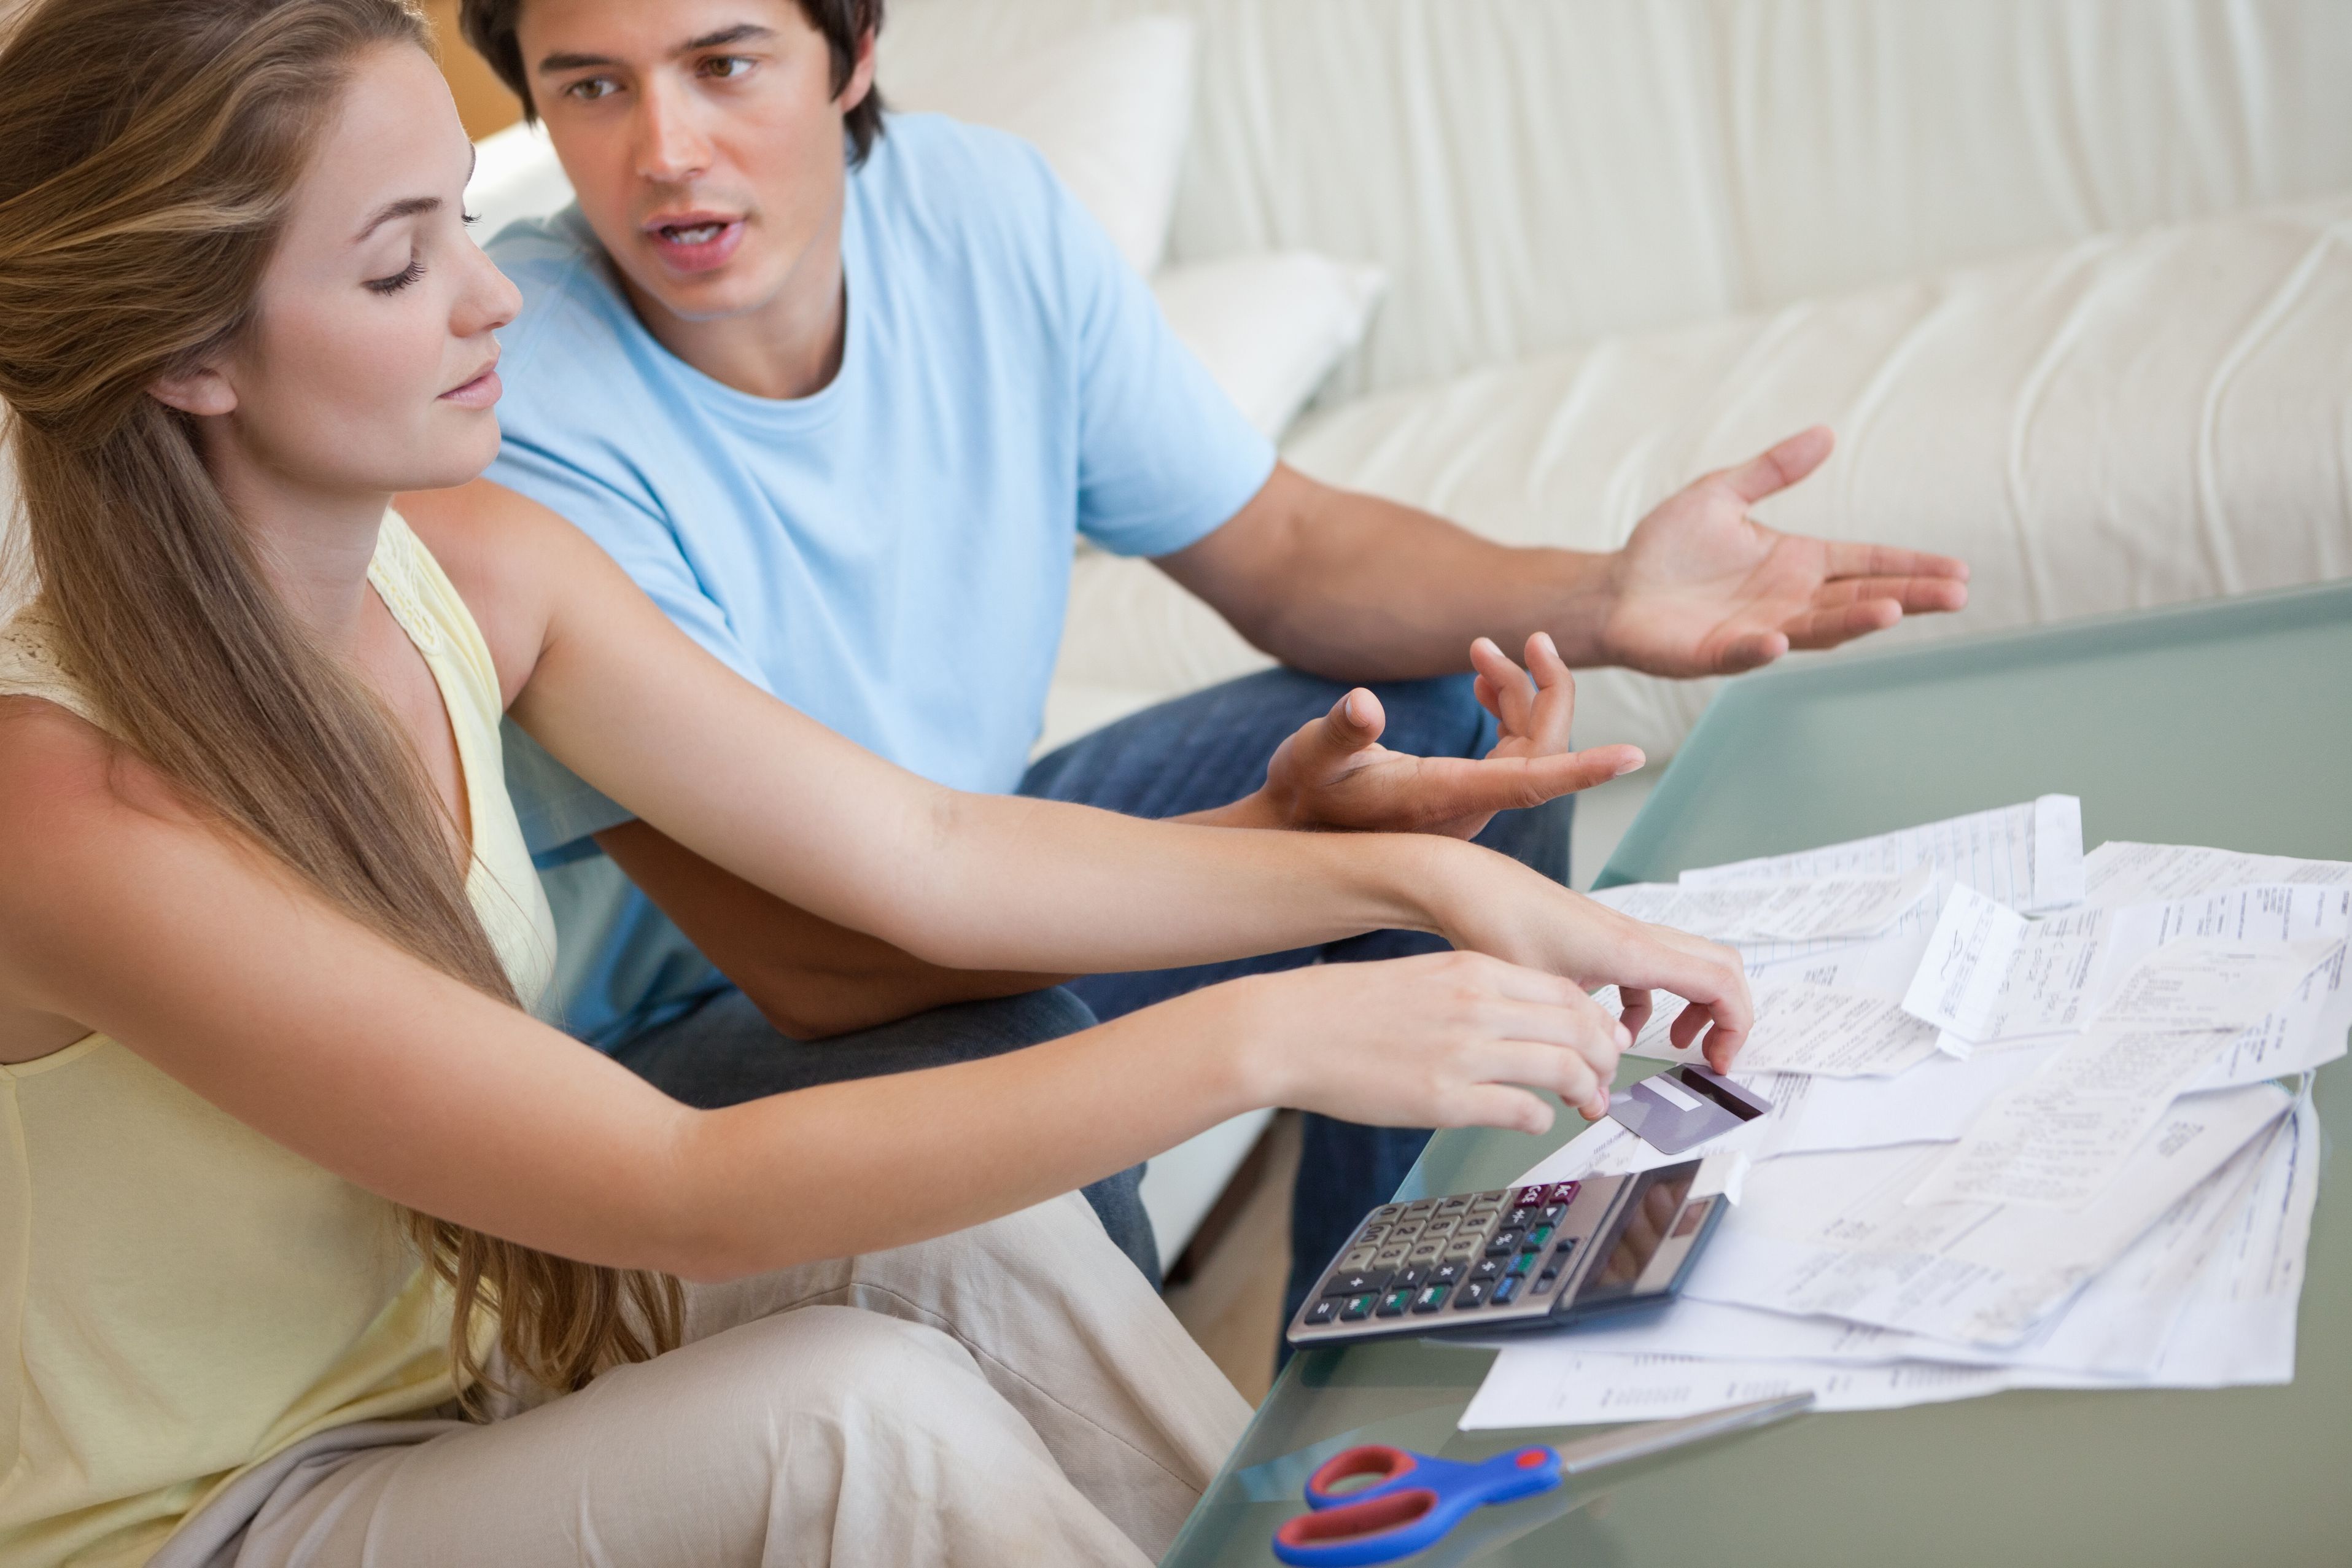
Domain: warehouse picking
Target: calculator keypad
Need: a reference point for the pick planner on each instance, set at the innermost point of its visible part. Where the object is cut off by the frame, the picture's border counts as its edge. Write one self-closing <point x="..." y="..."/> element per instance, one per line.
<point x="1451" y="1255"/>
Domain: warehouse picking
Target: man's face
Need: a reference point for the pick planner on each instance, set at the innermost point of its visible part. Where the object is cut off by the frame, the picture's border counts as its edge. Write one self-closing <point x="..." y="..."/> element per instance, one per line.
<point x="703" y="138"/>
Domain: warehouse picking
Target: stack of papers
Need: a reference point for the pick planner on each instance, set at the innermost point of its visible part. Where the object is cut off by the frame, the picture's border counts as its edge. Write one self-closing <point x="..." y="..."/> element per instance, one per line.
<point x="2026" y="1129"/>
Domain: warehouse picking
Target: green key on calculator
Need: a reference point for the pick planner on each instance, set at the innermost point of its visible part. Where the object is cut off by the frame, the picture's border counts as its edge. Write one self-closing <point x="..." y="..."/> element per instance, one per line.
<point x="1518" y="1257"/>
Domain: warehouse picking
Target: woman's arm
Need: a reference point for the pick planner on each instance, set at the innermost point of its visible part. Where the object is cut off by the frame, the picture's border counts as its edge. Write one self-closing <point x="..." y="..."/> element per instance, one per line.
<point x="967" y="882"/>
<point x="124" y="913"/>
<point x="812" y="977"/>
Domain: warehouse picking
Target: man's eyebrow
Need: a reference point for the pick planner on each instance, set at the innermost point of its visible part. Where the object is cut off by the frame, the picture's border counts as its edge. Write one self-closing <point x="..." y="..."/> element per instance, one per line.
<point x="740" y="32"/>
<point x="560" y="62"/>
<point x="406" y="206"/>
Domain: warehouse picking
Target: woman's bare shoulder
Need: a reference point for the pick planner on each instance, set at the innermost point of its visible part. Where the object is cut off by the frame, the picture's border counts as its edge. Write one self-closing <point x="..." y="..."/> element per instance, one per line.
<point x="507" y="556"/>
<point x="77" y="807"/>
<point x="64" y="781"/>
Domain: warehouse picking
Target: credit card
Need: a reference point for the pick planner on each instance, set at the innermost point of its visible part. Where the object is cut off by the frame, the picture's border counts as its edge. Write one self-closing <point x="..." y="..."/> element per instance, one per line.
<point x="1682" y="1107"/>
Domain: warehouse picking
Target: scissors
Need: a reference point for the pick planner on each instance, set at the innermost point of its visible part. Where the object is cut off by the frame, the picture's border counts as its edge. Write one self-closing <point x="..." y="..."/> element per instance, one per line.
<point x="1414" y="1499"/>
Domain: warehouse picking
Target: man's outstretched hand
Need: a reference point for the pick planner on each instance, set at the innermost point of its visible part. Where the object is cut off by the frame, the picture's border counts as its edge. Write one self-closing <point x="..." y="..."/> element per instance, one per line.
<point x="1702" y="588"/>
<point x="1335" y="773"/>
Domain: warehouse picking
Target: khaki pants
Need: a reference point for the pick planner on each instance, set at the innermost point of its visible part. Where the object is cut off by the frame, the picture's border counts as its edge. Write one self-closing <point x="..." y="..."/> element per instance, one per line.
<point x="1010" y="1395"/>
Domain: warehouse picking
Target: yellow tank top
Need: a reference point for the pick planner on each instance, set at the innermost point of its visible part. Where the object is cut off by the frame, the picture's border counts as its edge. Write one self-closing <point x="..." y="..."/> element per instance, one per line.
<point x="180" y="1298"/>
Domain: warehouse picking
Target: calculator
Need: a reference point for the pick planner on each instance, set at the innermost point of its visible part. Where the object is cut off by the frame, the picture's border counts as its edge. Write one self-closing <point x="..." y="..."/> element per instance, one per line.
<point x="1516" y="1258"/>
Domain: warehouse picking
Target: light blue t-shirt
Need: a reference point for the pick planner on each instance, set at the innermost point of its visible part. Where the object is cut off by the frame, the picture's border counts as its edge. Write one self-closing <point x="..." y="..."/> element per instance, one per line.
<point x="890" y="556"/>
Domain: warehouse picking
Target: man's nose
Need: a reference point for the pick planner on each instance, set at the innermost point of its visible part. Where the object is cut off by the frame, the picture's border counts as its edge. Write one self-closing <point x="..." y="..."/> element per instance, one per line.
<point x="670" y="147"/>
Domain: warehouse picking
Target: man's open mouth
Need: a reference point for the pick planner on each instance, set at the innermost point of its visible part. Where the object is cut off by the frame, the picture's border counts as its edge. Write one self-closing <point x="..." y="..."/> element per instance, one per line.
<point x="695" y="242"/>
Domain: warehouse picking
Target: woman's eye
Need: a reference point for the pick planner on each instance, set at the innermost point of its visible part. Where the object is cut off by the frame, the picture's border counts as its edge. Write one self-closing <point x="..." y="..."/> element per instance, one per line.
<point x="398" y="280"/>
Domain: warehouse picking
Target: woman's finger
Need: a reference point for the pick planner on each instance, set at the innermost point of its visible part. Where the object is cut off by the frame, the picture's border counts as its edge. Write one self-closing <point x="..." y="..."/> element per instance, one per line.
<point x="1592" y="1035"/>
<point x="1706" y="974"/>
<point x="1721" y="1049"/>
<point x="1636" y="1005"/>
<point x="1492" y="1105"/>
<point x="1537" y="1065"/>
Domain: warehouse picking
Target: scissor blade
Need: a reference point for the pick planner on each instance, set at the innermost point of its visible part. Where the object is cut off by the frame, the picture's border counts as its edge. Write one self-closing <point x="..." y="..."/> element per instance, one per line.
<point x="1658" y="1436"/>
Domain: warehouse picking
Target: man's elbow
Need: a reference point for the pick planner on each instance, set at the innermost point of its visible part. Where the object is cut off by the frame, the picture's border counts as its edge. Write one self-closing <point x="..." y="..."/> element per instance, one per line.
<point x="818" y="1008"/>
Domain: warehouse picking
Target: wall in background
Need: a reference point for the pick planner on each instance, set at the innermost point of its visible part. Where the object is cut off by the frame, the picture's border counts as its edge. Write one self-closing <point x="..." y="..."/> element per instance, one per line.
<point x="483" y="102"/>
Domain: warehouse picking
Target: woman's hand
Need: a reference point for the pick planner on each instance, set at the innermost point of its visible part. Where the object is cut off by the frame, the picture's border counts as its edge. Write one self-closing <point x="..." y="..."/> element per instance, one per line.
<point x="1445" y="1039"/>
<point x="1489" y="903"/>
<point x="1333" y="772"/>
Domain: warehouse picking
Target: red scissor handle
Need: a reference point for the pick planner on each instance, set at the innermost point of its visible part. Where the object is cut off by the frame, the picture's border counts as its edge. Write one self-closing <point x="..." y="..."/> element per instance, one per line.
<point x="1374" y="1517"/>
<point x="1384" y="1465"/>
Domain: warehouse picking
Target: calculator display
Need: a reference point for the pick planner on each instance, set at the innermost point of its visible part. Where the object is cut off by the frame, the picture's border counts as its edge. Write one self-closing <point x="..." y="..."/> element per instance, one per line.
<point x="1650" y="1219"/>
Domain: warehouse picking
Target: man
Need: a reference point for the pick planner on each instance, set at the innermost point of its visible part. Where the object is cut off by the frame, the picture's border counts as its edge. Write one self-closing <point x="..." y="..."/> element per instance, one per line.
<point x="840" y="394"/>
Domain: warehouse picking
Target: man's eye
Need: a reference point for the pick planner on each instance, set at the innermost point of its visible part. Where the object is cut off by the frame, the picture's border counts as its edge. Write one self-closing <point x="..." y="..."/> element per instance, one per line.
<point x="727" y="66"/>
<point x="398" y="280"/>
<point x="590" y="88"/>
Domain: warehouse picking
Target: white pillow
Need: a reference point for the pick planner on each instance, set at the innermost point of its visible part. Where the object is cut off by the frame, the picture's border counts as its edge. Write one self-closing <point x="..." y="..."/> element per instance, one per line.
<point x="516" y="176"/>
<point x="1270" y="329"/>
<point x="1110" y="108"/>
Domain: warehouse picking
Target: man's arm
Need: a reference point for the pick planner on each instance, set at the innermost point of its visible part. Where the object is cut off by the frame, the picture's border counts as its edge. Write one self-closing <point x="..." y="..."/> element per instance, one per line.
<point x="808" y="976"/>
<point x="1360" y="588"/>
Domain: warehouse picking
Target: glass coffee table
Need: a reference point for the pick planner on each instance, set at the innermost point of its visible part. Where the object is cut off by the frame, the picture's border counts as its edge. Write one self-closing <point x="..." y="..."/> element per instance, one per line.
<point x="2227" y="724"/>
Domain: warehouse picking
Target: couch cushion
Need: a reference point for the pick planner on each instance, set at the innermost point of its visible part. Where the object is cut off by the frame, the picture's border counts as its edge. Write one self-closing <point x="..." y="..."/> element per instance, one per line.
<point x="1110" y="108"/>
<point x="1269" y="328"/>
<point x="2121" y="423"/>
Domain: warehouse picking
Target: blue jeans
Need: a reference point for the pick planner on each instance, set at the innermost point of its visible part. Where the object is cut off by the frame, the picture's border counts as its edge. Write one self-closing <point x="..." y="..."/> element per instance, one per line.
<point x="1211" y="747"/>
<point x="724" y="1051"/>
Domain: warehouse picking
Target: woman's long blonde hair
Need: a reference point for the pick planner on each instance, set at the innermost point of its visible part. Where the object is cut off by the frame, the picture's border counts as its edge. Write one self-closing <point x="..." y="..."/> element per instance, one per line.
<point x="149" y="152"/>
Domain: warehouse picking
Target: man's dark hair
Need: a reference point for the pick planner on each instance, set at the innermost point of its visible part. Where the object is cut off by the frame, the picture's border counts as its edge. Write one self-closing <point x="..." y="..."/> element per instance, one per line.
<point x="489" y="26"/>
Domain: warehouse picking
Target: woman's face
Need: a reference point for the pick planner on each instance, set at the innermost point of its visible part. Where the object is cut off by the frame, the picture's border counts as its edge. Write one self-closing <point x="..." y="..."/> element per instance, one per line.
<point x="368" y="365"/>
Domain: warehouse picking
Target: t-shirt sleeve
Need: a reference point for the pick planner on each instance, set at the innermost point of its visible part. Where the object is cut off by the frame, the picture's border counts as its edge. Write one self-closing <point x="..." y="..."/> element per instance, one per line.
<point x="558" y="809"/>
<point x="1163" y="455"/>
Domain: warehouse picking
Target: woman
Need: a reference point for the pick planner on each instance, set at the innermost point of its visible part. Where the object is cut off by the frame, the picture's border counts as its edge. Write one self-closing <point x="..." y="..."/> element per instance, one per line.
<point x="267" y="919"/>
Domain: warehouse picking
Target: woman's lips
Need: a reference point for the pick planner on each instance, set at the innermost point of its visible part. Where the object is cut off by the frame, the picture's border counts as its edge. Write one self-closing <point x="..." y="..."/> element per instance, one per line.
<point x="698" y="246"/>
<point x="480" y="393"/>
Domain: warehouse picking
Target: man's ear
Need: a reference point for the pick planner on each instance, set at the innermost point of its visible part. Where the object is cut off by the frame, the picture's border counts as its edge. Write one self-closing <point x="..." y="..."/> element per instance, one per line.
<point x="202" y="391"/>
<point x="861" y="75"/>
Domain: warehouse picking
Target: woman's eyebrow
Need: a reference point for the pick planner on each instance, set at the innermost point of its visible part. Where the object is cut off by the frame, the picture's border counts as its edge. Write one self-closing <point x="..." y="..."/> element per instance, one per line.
<point x="409" y="207"/>
<point x="406" y="206"/>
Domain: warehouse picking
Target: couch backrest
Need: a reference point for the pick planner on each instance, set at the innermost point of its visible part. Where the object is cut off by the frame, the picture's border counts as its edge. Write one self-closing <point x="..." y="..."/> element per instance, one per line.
<point x="1536" y="172"/>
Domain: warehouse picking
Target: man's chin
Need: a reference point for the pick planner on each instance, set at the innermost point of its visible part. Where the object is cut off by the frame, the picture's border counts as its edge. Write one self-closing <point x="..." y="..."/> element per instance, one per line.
<point x="708" y="296"/>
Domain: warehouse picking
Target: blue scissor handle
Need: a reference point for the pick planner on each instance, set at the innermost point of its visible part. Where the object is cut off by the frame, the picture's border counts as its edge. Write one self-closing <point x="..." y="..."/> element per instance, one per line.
<point x="1414" y="1500"/>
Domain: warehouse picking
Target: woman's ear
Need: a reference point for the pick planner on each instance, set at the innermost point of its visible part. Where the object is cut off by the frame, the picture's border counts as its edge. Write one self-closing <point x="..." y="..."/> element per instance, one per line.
<point x="201" y="391"/>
